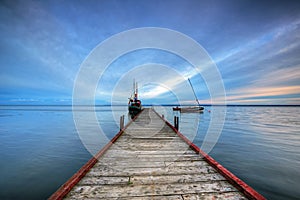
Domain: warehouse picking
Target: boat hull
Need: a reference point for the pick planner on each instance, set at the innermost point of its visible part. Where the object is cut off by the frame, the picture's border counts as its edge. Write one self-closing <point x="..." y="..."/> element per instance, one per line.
<point x="189" y="109"/>
<point x="134" y="110"/>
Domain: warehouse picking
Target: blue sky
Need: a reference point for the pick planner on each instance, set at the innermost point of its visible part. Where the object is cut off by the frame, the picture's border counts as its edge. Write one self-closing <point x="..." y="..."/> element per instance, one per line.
<point x="255" y="45"/>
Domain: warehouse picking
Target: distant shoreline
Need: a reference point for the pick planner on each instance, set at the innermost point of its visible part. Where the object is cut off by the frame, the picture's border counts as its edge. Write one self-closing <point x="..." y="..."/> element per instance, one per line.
<point x="108" y="105"/>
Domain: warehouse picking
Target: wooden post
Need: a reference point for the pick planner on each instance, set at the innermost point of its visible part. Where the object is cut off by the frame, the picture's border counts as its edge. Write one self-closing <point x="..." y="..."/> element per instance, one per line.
<point x="176" y="122"/>
<point x="123" y="117"/>
<point x="121" y="122"/>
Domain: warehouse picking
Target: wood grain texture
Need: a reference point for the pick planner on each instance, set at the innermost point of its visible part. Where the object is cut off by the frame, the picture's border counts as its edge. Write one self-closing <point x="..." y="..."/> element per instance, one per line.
<point x="150" y="161"/>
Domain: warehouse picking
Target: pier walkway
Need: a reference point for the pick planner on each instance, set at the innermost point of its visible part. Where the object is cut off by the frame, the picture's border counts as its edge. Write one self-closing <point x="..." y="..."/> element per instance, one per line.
<point x="149" y="159"/>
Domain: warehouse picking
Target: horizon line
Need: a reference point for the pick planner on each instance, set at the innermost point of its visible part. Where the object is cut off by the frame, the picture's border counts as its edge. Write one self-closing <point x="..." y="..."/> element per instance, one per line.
<point x="151" y="105"/>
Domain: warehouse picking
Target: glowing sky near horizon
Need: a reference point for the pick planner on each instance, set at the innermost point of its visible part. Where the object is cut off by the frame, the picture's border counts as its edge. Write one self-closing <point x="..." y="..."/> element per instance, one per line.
<point x="255" y="45"/>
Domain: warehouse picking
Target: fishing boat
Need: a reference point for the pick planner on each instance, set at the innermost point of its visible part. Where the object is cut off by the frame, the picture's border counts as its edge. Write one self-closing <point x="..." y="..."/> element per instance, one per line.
<point x="195" y="109"/>
<point x="190" y="109"/>
<point x="176" y="108"/>
<point x="134" y="104"/>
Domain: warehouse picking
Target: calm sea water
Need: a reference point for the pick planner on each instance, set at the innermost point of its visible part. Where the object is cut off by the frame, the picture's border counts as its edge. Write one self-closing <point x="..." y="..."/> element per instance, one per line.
<point x="40" y="147"/>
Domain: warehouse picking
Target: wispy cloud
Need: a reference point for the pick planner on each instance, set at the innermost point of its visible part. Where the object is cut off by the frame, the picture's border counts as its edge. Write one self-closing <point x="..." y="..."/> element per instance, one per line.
<point x="272" y="87"/>
<point x="43" y="43"/>
<point x="266" y="101"/>
<point x="268" y="45"/>
<point x="266" y="68"/>
<point x="254" y="92"/>
<point x="279" y="77"/>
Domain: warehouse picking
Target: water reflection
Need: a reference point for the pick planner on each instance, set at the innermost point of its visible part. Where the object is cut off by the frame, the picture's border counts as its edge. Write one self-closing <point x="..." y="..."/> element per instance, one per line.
<point x="261" y="145"/>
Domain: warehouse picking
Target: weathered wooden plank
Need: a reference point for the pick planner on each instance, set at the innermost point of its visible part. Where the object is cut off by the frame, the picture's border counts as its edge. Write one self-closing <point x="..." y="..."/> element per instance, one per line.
<point x="203" y="196"/>
<point x="166" y="197"/>
<point x="210" y="196"/>
<point x="166" y="154"/>
<point x="147" y="152"/>
<point x="136" y="141"/>
<point x="148" y="158"/>
<point x="104" y="180"/>
<point x="144" y="143"/>
<point x="114" y="191"/>
<point x="103" y="170"/>
<point x="164" y="179"/>
<point x="165" y="147"/>
<point x="178" y="178"/>
<point x="143" y="137"/>
<point x="154" y="164"/>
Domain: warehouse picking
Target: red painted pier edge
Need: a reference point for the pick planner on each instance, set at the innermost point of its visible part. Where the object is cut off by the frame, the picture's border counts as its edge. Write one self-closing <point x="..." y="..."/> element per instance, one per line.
<point x="67" y="187"/>
<point x="248" y="191"/>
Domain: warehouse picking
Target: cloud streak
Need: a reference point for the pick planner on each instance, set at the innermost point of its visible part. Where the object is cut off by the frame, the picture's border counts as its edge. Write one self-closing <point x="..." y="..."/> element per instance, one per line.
<point x="256" y="48"/>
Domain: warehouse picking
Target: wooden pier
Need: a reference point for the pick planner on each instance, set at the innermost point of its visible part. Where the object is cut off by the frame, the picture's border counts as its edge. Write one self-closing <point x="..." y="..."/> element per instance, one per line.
<point x="150" y="159"/>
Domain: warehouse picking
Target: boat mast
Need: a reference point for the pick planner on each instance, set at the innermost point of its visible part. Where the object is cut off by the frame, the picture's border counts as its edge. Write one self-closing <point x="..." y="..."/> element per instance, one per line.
<point x="194" y="92"/>
<point x="135" y="89"/>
